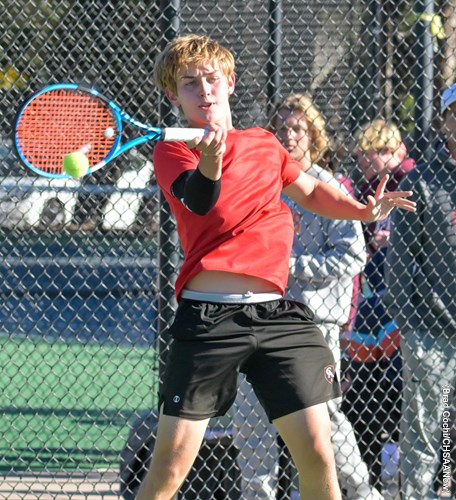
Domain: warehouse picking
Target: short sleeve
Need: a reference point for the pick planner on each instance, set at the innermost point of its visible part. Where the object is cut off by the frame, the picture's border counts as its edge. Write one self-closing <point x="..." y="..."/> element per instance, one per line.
<point x="170" y="160"/>
<point x="290" y="170"/>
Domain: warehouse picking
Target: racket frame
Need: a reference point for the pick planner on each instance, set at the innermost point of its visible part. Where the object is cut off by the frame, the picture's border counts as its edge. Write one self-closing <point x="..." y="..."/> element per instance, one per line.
<point x="151" y="133"/>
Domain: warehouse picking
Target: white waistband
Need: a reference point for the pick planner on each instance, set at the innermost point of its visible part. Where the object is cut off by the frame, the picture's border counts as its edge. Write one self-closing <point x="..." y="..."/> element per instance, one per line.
<point x="231" y="298"/>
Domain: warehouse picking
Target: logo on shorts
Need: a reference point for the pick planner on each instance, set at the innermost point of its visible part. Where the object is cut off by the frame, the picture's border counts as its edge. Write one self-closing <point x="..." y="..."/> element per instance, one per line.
<point x="330" y="374"/>
<point x="176" y="399"/>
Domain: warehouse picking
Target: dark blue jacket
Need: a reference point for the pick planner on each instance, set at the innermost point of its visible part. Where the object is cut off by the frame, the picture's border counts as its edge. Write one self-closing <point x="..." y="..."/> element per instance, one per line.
<point x="421" y="259"/>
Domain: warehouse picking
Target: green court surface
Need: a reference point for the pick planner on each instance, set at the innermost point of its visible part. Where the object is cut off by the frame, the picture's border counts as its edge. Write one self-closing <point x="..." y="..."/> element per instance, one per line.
<point x="65" y="406"/>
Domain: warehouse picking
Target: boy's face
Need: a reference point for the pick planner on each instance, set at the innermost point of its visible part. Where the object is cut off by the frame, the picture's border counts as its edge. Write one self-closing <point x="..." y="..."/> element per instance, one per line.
<point x="373" y="163"/>
<point x="292" y="130"/>
<point x="202" y="94"/>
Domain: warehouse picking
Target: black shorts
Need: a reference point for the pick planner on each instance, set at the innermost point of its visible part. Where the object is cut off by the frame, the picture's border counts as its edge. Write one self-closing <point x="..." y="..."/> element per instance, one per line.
<point x="276" y="344"/>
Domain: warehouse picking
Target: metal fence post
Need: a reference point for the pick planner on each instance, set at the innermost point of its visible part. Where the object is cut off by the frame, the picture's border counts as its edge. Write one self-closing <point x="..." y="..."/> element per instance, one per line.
<point x="168" y="253"/>
<point x="275" y="52"/>
<point x="424" y="80"/>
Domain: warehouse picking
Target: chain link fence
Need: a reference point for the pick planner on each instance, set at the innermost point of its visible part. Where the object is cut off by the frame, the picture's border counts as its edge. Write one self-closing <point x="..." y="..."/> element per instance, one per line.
<point x="87" y="267"/>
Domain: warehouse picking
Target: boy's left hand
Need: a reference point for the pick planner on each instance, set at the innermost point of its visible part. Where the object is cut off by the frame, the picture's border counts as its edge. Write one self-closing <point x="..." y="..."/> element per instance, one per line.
<point x="381" y="204"/>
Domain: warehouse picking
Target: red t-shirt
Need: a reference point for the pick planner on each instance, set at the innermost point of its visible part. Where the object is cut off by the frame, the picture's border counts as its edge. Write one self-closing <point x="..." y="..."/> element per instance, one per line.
<point x="250" y="229"/>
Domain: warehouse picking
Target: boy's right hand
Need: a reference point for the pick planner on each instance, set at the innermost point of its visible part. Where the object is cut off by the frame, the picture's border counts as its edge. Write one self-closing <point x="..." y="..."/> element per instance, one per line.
<point x="211" y="144"/>
<point x="212" y="147"/>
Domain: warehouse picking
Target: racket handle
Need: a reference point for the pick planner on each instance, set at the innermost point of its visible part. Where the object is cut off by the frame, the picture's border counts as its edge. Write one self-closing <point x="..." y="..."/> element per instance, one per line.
<point x="182" y="134"/>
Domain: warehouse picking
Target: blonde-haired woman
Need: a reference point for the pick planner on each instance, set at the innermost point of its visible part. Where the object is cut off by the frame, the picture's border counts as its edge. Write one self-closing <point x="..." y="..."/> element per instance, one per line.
<point x="326" y="256"/>
<point x="301" y="128"/>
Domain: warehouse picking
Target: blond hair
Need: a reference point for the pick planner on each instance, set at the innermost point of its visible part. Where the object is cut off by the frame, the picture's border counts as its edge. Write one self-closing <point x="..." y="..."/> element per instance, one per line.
<point x="378" y="135"/>
<point x="189" y="49"/>
<point x="303" y="104"/>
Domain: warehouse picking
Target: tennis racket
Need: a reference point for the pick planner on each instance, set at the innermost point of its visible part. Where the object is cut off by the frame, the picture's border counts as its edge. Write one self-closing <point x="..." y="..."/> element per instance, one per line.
<point x="66" y="117"/>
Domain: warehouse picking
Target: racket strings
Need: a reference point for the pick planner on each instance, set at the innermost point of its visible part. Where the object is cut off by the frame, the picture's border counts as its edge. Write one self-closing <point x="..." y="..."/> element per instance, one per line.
<point x="63" y="121"/>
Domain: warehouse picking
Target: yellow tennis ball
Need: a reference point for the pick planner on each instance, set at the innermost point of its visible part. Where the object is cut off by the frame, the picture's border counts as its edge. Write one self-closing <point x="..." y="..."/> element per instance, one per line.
<point x="76" y="164"/>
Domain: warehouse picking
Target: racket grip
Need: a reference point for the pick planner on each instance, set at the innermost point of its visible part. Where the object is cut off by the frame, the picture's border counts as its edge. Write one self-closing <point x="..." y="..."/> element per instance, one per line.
<point x="182" y="134"/>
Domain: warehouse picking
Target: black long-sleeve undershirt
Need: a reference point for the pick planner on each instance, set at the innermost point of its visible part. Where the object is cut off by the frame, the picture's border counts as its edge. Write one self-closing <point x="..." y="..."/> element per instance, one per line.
<point x="197" y="192"/>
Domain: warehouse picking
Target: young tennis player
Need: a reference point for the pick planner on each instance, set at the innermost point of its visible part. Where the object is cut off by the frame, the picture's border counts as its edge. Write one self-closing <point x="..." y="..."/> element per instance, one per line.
<point x="224" y="191"/>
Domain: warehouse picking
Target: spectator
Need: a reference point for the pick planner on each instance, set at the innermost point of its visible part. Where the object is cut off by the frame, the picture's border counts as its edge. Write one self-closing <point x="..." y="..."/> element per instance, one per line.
<point x="373" y="399"/>
<point x="326" y="256"/>
<point x="421" y="296"/>
<point x="380" y="151"/>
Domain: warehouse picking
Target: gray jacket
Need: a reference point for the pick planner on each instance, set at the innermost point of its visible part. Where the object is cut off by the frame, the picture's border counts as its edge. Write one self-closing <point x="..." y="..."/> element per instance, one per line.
<point x="327" y="254"/>
<point x="421" y="260"/>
